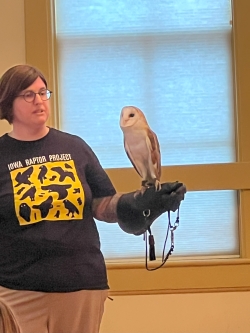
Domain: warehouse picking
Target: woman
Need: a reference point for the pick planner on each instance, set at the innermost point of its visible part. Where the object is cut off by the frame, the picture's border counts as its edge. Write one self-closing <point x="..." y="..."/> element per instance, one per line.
<point x="52" y="272"/>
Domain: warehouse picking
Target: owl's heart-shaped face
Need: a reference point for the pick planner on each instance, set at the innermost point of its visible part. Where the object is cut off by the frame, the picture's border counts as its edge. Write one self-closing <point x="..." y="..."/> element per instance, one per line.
<point x="130" y="115"/>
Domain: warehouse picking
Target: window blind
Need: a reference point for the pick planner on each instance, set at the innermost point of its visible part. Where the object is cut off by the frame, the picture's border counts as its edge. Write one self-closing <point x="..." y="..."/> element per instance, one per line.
<point x="173" y="60"/>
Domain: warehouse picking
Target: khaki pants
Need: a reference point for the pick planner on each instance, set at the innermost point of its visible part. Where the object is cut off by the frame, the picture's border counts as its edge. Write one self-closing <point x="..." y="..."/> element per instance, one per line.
<point x="40" y="312"/>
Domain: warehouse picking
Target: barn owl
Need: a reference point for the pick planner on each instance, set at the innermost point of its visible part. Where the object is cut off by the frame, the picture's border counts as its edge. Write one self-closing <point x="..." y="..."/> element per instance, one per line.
<point x="142" y="146"/>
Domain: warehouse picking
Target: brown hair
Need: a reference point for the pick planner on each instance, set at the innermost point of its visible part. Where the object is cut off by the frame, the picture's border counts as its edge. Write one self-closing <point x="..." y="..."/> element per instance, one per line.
<point x="13" y="81"/>
<point x="8" y="322"/>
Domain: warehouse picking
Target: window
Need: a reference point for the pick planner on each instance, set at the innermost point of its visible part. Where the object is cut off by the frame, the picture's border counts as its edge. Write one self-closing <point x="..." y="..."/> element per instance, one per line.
<point x="173" y="60"/>
<point x="211" y="174"/>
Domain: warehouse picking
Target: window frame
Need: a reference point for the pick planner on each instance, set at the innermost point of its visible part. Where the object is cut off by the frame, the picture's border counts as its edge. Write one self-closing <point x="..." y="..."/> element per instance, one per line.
<point x="189" y="275"/>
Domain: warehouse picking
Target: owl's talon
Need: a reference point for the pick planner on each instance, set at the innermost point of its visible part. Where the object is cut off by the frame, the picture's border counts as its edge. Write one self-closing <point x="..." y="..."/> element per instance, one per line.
<point x="137" y="193"/>
<point x="157" y="185"/>
<point x="143" y="189"/>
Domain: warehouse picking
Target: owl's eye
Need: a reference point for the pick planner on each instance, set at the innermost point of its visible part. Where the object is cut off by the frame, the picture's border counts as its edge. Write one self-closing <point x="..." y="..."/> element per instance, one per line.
<point x="131" y="115"/>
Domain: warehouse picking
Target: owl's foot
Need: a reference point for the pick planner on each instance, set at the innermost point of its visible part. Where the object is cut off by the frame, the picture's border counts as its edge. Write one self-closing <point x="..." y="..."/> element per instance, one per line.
<point x="157" y="185"/>
<point x="145" y="184"/>
<point x="141" y="191"/>
<point x="136" y="193"/>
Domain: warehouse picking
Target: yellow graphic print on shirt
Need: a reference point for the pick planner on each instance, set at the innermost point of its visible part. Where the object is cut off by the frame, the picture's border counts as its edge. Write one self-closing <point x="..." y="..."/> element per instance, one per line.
<point x="49" y="191"/>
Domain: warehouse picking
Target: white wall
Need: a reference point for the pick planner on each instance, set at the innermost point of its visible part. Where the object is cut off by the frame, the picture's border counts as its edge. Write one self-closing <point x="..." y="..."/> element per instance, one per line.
<point x="187" y="313"/>
<point x="12" y="40"/>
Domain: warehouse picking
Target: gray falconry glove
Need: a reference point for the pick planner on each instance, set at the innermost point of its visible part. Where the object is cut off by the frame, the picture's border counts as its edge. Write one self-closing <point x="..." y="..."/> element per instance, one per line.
<point x="136" y="212"/>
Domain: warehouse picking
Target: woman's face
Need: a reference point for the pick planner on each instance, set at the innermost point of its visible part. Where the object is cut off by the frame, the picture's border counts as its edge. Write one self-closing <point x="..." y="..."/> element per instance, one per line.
<point x="31" y="114"/>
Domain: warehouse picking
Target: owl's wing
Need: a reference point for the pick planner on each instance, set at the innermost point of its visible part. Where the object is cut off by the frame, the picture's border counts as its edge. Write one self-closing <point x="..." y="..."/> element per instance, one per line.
<point x="128" y="152"/>
<point x="154" y="148"/>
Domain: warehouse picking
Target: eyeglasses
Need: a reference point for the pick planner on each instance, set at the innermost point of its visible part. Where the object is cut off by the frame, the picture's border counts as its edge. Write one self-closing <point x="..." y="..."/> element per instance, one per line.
<point x="29" y="96"/>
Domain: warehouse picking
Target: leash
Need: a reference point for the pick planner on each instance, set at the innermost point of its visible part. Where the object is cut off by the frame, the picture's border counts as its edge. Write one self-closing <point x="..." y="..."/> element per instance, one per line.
<point x="150" y="241"/>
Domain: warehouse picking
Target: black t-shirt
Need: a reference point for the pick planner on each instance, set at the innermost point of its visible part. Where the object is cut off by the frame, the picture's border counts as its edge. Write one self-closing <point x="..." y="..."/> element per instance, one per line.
<point x="48" y="238"/>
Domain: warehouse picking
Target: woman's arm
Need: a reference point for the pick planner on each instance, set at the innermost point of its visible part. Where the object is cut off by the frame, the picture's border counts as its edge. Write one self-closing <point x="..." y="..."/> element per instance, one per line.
<point x="136" y="212"/>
